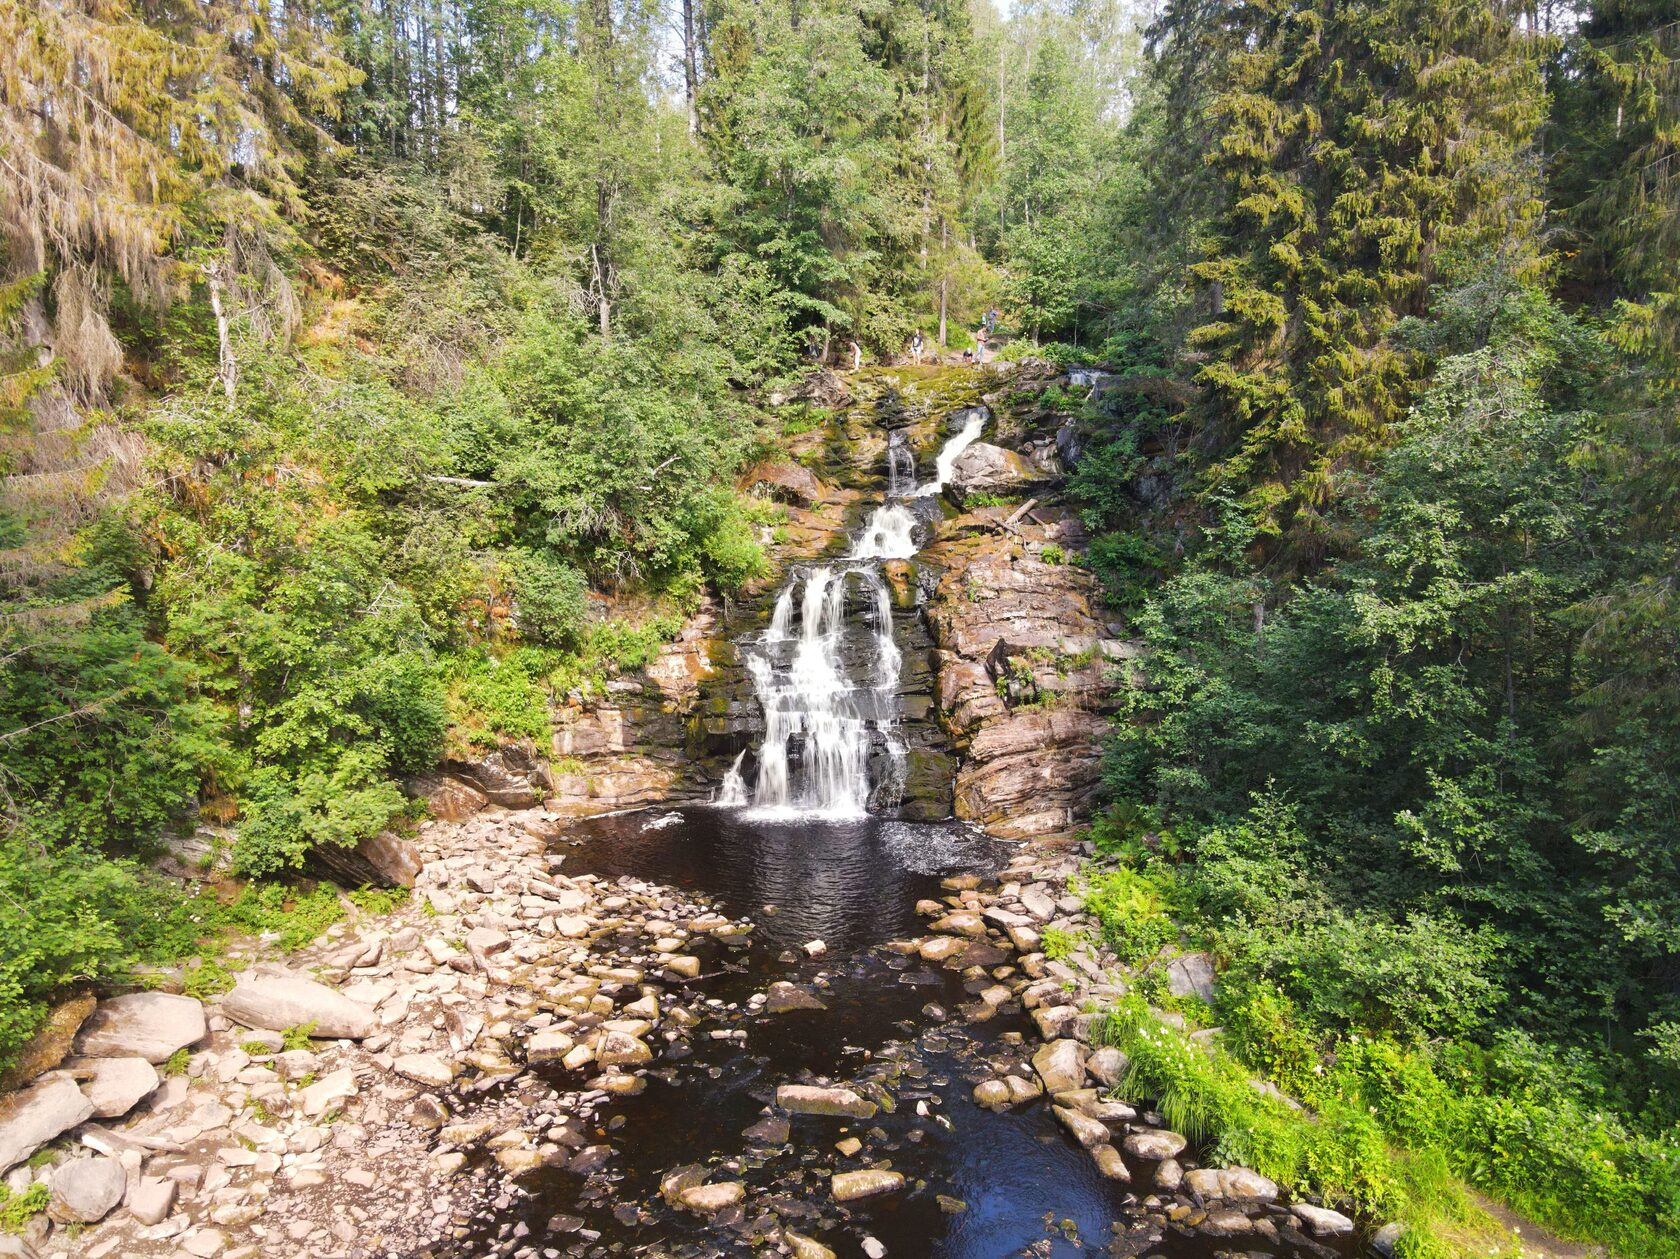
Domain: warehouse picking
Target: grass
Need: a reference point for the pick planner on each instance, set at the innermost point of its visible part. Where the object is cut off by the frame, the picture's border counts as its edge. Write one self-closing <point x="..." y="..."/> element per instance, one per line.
<point x="176" y="1063"/>
<point x="1341" y="1154"/>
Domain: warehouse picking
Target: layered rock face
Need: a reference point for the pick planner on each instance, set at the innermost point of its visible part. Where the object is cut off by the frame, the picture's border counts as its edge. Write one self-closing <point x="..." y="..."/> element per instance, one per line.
<point x="1023" y="650"/>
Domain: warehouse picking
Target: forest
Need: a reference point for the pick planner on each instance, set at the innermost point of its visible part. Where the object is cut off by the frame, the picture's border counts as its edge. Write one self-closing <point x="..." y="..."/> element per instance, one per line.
<point x="372" y="371"/>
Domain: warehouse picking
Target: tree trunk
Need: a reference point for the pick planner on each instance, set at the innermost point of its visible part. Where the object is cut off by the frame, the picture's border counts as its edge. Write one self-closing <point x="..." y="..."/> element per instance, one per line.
<point x="691" y="68"/>
<point x="228" y="366"/>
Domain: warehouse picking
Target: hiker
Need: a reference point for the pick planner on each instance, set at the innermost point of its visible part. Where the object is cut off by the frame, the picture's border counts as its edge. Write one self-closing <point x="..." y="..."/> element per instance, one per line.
<point x="857" y="355"/>
<point x="980" y="343"/>
<point x="916" y="347"/>
<point x="991" y="320"/>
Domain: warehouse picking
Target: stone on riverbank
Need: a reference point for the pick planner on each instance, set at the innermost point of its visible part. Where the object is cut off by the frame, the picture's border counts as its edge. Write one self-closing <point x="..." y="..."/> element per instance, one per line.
<point x="808" y="1099"/>
<point x="86" y="1190"/>
<point x="849" y="1186"/>
<point x="114" y="1085"/>
<point x="149" y="1025"/>
<point x="1233" y="1183"/>
<point x="1155" y="1144"/>
<point x="784" y="998"/>
<point x="1061" y="1065"/>
<point x="35" y="1116"/>
<point x="1323" y="1221"/>
<point x="710" y="1199"/>
<point x="278" y="1002"/>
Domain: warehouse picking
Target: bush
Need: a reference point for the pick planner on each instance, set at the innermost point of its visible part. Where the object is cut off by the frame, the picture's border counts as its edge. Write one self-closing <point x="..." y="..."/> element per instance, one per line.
<point x="552" y="602"/>
<point x="71" y="916"/>
<point x="1129" y="908"/>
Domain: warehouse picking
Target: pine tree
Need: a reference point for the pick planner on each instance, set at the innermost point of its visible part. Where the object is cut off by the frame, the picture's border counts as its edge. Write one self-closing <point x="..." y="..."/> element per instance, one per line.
<point x="1359" y="152"/>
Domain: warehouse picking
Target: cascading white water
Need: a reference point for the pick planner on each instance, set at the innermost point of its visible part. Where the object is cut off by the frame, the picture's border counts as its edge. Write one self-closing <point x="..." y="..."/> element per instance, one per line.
<point x="818" y="720"/>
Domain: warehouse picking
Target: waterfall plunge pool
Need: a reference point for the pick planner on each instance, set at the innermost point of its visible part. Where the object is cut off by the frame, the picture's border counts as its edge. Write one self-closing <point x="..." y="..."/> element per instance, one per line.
<point x="1024" y="1188"/>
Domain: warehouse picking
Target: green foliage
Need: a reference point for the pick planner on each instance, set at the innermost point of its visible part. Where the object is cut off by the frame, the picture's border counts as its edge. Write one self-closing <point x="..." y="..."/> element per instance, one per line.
<point x="297" y="1037"/>
<point x="551" y="602"/>
<point x="1130" y="910"/>
<point x="17" y="1209"/>
<point x="176" y="1063"/>
<point x="72" y="917"/>
<point x="208" y="978"/>
<point x="1058" y="944"/>
<point x="288" y="916"/>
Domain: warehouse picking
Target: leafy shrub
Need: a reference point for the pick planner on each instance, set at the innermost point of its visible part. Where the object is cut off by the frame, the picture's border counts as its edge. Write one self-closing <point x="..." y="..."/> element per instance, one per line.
<point x="551" y="595"/>
<point x="1130" y="910"/>
<point x="71" y="916"/>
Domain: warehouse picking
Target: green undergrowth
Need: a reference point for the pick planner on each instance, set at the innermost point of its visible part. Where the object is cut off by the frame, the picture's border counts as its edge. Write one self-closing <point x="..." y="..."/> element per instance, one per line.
<point x="1341" y="1154"/>
<point x="17" y="1209"/>
<point x="130" y="925"/>
<point x="1402" y="1132"/>
<point x="495" y="696"/>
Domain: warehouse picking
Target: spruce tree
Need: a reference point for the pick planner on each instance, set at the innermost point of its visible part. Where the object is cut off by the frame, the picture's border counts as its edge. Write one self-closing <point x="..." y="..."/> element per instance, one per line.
<point x="1359" y="152"/>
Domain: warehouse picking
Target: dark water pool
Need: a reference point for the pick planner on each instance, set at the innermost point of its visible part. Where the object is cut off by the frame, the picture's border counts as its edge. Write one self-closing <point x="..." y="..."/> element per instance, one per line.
<point x="981" y="1185"/>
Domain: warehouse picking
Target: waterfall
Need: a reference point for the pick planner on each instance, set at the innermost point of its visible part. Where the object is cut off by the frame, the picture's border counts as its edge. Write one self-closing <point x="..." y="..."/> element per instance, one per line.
<point x="828" y="683"/>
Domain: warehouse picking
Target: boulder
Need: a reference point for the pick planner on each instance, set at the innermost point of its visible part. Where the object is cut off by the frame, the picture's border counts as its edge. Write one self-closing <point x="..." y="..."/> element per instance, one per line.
<point x="941" y="948"/>
<point x="1323" y="1221"/>
<point x="993" y="1094"/>
<point x="113" y="1085"/>
<point x="1169" y="1175"/>
<point x="87" y="1190"/>
<point x="710" y="1199"/>
<point x="547" y="1046"/>
<point x="149" y="1025"/>
<point x="448" y="797"/>
<point x="807" y="1099"/>
<point x="328" y="1092"/>
<point x="382" y="860"/>
<point x="1107" y="1066"/>
<point x="1110" y="1164"/>
<point x="278" y="1002"/>
<point x="1154" y="1144"/>
<point x="618" y="1049"/>
<point x="1235" y="1184"/>
<point x="50" y="1044"/>
<point x="961" y="923"/>
<point x="784" y="997"/>
<point x="511" y="776"/>
<point x="1226" y="1222"/>
<point x="984" y="466"/>
<point x="151" y="1198"/>
<point x="1061" y="1065"/>
<point x="849" y="1186"/>
<point x="47" y="1109"/>
<point x="426" y="1069"/>
<point x="784" y="481"/>
<point x="1087" y="1131"/>
<point x="803" y="1247"/>
<point x="1191" y="975"/>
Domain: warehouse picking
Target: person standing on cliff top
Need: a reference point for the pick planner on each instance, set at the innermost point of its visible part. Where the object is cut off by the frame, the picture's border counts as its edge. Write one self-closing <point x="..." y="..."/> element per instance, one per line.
<point x="857" y="355"/>
<point x="916" y="347"/>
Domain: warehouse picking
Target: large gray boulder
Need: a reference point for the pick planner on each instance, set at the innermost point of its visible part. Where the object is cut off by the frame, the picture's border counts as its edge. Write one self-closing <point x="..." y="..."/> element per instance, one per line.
<point x="149" y="1025"/>
<point x="1191" y="975"/>
<point x="87" y="1190"/>
<point x="28" y="1120"/>
<point x="1061" y="1065"/>
<point x="277" y="1002"/>
<point x="114" y="1085"/>
<point x="984" y="467"/>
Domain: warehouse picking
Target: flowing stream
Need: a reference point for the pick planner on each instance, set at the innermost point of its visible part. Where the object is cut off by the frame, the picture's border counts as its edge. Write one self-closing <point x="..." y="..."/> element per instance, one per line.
<point x="830" y="699"/>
